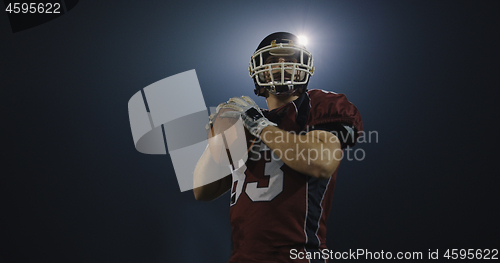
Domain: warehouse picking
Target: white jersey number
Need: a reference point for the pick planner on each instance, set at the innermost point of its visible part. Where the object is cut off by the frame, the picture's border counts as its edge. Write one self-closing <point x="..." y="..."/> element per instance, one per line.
<point x="272" y="169"/>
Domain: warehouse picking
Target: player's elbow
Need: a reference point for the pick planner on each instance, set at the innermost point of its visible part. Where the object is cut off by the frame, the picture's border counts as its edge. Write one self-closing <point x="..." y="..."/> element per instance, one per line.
<point x="327" y="162"/>
<point x="197" y="195"/>
<point x="323" y="171"/>
<point x="201" y="195"/>
<point x="323" y="175"/>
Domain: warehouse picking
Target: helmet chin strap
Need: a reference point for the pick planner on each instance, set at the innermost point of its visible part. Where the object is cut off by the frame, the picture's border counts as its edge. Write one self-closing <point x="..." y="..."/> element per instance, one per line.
<point x="281" y="90"/>
<point x="260" y="90"/>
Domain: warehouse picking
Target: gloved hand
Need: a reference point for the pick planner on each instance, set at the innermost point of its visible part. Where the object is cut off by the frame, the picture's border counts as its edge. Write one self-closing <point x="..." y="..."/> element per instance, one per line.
<point x="252" y="116"/>
<point x="212" y="117"/>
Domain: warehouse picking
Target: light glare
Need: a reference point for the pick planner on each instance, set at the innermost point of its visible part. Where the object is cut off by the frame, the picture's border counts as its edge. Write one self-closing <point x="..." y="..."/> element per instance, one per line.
<point x="302" y="40"/>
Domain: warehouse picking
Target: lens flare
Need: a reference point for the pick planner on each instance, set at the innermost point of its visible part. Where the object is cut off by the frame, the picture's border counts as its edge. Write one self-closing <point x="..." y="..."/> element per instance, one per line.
<point x="302" y="40"/>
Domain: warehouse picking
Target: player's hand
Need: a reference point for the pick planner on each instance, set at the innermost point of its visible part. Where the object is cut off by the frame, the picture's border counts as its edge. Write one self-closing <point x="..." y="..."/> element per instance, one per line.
<point x="252" y="116"/>
<point x="212" y="118"/>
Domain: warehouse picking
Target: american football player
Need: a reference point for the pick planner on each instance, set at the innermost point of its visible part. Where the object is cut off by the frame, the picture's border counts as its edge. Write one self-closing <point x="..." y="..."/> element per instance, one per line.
<point x="281" y="196"/>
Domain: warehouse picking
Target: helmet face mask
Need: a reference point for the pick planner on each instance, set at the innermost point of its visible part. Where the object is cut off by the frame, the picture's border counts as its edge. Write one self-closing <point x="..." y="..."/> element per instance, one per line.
<point x="280" y="67"/>
<point x="280" y="70"/>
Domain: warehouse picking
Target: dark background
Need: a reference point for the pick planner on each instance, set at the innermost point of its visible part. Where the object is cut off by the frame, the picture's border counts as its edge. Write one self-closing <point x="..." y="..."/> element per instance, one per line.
<point x="424" y="75"/>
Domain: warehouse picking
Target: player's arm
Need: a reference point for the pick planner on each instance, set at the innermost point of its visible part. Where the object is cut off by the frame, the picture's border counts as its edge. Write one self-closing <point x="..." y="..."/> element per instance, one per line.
<point x="316" y="153"/>
<point x="206" y="168"/>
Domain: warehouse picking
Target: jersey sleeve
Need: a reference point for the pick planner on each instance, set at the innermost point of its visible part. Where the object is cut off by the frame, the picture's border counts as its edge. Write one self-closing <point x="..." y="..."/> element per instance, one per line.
<point x="332" y="111"/>
<point x="344" y="132"/>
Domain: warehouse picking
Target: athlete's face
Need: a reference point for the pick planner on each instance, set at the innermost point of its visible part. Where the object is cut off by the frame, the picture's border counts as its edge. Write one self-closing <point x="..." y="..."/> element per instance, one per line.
<point x="277" y="68"/>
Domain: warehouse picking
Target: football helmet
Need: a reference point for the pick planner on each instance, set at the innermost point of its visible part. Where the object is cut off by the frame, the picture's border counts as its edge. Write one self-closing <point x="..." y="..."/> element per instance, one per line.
<point x="281" y="65"/>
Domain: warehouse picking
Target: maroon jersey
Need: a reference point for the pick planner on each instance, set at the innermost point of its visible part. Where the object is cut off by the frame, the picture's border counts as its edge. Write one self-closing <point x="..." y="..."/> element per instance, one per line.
<point x="275" y="209"/>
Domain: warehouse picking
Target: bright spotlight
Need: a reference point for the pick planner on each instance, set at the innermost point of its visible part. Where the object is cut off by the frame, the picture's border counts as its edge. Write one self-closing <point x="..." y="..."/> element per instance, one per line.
<point x="302" y="40"/>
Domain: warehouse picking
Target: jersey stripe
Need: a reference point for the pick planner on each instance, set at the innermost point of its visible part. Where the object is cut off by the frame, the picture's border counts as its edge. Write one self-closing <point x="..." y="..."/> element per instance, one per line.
<point x="307" y="207"/>
<point x="321" y="206"/>
<point x="316" y="189"/>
